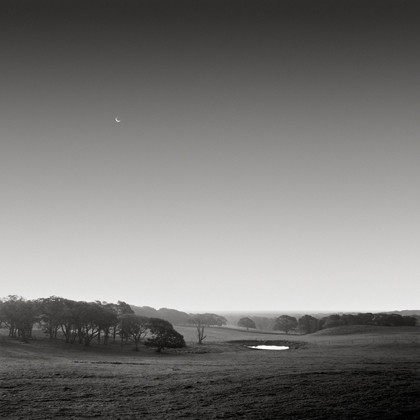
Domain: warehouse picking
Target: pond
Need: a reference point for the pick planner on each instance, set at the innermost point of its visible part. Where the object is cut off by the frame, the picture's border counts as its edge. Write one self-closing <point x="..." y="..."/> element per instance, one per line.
<point x="265" y="347"/>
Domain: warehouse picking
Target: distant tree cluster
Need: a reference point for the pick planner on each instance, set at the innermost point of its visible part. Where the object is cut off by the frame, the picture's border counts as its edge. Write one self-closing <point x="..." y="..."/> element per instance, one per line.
<point x="81" y="322"/>
<point x="163" y="335"/>
<point x="380" y="319"/>
<point x="208" y="320"/>
<point x="308" y="324"/>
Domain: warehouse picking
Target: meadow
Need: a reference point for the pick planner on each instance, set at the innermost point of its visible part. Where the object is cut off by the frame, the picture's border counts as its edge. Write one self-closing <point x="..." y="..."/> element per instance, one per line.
<point x="341" y="373"/>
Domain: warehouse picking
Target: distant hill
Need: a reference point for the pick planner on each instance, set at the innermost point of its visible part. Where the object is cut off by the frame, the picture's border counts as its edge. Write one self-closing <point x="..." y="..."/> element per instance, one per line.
<point x="145" y="311"/>
<point x="179" y="318"/>
<point x="174" y="316"/>
<point x="263" y="321"/>
<point x="411" y="312"/>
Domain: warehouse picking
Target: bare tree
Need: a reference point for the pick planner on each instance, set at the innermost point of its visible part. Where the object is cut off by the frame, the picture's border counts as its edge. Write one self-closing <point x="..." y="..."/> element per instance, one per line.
<point x="200" y="331"/>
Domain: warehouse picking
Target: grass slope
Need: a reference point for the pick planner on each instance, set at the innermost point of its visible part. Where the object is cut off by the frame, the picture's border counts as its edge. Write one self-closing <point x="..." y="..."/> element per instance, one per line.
<point x="322" y="379"/>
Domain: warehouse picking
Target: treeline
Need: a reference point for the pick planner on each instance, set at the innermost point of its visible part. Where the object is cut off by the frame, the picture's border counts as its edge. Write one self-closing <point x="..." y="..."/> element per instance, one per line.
<point x="379" y="319"/>
<point x="308" y="324"/>
<point x="82" y="322"/>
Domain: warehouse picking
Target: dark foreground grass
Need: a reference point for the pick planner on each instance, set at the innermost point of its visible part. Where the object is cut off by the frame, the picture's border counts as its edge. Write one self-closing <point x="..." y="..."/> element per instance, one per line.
<point x="314" y="380"/>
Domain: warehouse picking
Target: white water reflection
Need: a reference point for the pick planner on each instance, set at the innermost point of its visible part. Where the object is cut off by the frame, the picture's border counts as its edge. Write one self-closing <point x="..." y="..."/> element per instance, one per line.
<point x="264" y="347"/>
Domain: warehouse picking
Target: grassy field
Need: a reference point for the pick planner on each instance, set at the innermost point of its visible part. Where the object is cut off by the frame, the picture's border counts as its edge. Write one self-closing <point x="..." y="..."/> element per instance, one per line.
<point x="339" y="374"/>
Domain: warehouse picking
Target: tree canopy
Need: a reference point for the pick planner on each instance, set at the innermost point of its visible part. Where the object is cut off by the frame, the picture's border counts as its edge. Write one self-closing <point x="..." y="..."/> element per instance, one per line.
<point x="163" y="335"/>
<point x="81" y="322"/>
<point x="285" y="323"/>
<point x="246" y="323"/>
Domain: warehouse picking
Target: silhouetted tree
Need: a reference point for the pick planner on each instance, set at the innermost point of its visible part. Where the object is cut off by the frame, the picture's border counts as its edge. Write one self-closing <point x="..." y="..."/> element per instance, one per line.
<point x="200" y="329"/>
<point x="349" y="319"/>
<point x="246" y="323"/>
<point x="19" y="316"/>
<point x="9" y="313"/>
<point x="163" y="335"/>
<point x="107" y="320"/>
<point x="308" y="324"/>
<point x="51" y="311"/>
<point x="88" y="319"/>
<point x="285" y="323"/>
<point x="331" y="321"/>
<point x="68" y="319"/>
<point x="121" y="308"/>
<point x="365" y="318"/>
<point x="409" y="321"/>
<point x="134" y="328"/>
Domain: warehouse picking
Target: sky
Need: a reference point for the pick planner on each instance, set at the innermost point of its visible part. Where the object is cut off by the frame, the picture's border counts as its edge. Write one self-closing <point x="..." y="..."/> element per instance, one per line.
<point x="267" y="158"/>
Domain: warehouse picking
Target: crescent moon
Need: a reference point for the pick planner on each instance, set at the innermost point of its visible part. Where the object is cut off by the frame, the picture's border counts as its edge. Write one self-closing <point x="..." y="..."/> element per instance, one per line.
<point x="117" y="120"/>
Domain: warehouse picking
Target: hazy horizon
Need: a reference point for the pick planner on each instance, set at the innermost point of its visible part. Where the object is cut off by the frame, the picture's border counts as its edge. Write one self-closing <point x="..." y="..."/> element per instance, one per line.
<point x="254" y="312"/>
<point x="268" y="154"/>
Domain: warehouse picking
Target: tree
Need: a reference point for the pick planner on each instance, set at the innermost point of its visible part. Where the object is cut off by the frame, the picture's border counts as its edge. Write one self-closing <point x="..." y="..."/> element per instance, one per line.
<point x="28" y="315"/>
<point x="19" y="316"/>
<point x="163" y="335"/>
<point x="246" y="323"/>
<point x="350" y="319"/>
<point x="124" y="308"/>
<point x="51" y="310"/>
<point x="409" y="321"/>
<point x="118" y="309"/>
<point x="200" y="329"/>
<point x="86" y="321"/>
<point x="9" y="313"/>
<point x="134" y="328"/>
<point x="285" y="323"/>
<point x="67" y="317"/>
<point x="108" y="319"/>
<point x="308" y="324"/>
<point x="331" y="321"/>
<point x="89" y="318"/>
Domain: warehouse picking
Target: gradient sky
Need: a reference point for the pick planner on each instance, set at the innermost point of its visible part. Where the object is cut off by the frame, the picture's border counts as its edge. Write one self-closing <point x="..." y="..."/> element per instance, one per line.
<point x="268" y="156"/>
